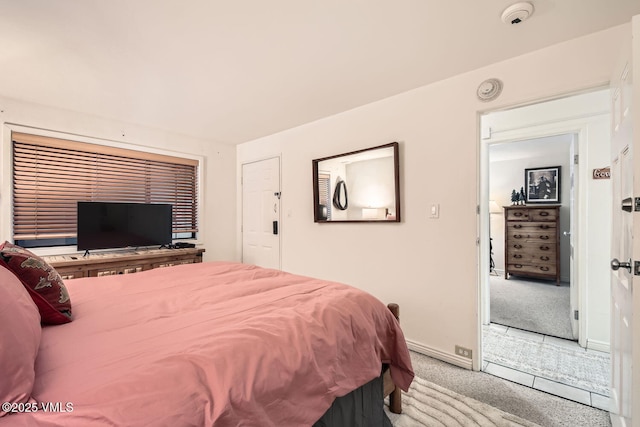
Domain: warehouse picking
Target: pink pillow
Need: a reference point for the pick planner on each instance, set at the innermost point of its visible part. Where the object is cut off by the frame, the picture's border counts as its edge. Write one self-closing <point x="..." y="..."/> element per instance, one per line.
<point x="19" y="340"/>
<point x="42" y="281"/>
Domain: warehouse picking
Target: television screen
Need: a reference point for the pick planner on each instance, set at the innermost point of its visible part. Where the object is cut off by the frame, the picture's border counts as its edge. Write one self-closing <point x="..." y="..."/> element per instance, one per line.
<point x="106" y="225"/>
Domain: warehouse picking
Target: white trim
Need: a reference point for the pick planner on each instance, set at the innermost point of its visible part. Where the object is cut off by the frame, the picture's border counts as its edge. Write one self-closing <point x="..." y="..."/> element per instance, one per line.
<point x="599" y="346"/>
<point x="6" y="203"/>
<point x="575" y="126"/>
<point x="94" y="140"/>
<point x="553" y="125"/>
<point x="454" y="359"/>
<point x="616" y="420"/>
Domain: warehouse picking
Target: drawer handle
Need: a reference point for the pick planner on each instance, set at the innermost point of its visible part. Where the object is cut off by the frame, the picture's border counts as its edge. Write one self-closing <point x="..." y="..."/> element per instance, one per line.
<point x="517" y="214"/>
<point x="544" y="248"/>
<point x="545" y="258"/>
<point x="543" y="213"/>
<point x="544" y="237"/>
<point x="544" y="268"/>
<point x="517" y="236"/>
<point x="517" y="226"/>
<point x="517" y="256"/>
<point x="517" y="246"/>
<point x="517" y="265"/>
<point x="544" y="227"/>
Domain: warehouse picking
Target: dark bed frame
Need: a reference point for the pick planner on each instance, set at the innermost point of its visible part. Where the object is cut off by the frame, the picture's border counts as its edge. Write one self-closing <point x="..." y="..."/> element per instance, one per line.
<point x="365" y="405"/>
<point x="389" y="388"/>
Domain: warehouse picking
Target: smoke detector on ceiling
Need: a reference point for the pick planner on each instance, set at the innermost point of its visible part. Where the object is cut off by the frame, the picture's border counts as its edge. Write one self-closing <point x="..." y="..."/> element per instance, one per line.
<point x="516" y="13"/>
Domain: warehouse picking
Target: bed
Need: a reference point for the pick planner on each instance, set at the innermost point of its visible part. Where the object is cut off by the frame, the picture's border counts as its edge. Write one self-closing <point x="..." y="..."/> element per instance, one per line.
<point x="215" y="343"/>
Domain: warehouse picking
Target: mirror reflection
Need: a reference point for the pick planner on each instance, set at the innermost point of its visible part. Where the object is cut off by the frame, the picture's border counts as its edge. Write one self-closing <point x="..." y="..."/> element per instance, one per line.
<point x="358" y="186"/>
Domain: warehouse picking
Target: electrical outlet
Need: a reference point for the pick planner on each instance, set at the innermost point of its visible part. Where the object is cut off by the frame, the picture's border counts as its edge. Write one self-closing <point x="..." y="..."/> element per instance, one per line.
<point x="464" y="352"/>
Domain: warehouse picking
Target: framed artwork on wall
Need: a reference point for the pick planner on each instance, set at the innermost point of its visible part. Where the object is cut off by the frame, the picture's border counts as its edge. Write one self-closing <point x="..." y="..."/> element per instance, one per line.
<point x="542" y="185"/>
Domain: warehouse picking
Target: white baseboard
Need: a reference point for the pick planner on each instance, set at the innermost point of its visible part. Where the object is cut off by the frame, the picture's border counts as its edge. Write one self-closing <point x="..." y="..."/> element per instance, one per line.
<point x="454" y="359"/>
<point x="599" y="345"/>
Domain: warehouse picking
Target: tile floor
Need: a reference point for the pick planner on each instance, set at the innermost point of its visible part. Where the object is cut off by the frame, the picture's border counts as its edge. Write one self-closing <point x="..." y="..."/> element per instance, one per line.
<point x="571" y="393"/>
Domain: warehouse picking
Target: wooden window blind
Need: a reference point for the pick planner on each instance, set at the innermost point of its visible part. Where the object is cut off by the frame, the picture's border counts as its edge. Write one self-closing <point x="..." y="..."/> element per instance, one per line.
<point x="51" y="175"/>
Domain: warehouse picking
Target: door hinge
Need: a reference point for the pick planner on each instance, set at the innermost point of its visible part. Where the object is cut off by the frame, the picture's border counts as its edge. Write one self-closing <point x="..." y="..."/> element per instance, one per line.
<point x="576" y="316"/>
<point x="478" y="209"/>
<point x="576" y="157"/>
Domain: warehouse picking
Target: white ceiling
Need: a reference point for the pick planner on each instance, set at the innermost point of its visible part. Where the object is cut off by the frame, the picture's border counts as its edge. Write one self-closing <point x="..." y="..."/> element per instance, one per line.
<point x="232" y="71"/>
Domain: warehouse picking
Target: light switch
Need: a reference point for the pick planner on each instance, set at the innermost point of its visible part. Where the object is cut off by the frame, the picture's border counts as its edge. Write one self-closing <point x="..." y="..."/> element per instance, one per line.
<point x="434" y="211"/>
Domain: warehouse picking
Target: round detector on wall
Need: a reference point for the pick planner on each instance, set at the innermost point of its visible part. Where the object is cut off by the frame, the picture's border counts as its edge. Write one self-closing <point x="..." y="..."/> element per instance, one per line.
<point x="489" y="90"/>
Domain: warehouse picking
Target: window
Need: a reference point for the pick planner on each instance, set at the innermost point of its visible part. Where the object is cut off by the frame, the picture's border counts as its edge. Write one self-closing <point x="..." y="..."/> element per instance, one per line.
<point x="51" y="175"/>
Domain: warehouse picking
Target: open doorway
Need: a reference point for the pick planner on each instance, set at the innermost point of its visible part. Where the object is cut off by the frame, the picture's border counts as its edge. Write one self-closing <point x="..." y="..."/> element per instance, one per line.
<point x="529" y="297"/>
<point x="530" y="340"/>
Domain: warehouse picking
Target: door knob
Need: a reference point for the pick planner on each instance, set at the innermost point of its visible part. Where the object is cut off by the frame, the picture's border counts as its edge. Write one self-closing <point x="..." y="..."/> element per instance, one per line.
<point x="567" y="233"/>
<point x="615" y="264"/>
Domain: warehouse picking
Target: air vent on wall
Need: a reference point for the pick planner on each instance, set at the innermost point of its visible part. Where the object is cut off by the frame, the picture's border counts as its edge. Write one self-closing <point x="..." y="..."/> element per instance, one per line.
<point x="516" y="13"/>
<point x="489" y="90"/>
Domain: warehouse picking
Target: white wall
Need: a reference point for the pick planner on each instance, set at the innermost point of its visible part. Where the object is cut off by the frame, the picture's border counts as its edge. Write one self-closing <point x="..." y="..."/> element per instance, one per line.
<point x="217" y="236"/>
<point x="371" y="185"/>
<point x="428" y="266"/>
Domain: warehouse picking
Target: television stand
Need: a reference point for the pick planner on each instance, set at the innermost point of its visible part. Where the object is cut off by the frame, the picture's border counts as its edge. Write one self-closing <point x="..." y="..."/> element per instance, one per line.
<point x="110" y="263"/>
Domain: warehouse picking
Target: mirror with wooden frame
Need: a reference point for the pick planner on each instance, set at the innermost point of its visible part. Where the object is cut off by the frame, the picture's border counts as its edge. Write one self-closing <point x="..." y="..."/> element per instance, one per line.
<point x="360" y="186"/>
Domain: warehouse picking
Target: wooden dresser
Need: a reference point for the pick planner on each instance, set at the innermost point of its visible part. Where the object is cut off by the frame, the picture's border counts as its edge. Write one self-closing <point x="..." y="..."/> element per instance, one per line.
<point x="121" y="262"/>
<point x="532" y="241"/>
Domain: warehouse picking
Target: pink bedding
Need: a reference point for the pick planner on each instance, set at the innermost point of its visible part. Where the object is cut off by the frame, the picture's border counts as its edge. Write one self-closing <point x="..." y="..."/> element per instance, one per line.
<point x="211" y="343"/>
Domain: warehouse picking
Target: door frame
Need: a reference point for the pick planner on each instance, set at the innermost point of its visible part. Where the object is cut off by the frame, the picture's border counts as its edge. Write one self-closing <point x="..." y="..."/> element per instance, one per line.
<point x="241" y="206"/>
<point x="576" y="125"/>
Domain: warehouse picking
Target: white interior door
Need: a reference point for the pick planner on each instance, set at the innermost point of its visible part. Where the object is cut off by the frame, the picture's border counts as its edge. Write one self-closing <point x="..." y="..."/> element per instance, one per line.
<point x="622" y="245"/>
<point x="261" y="213"/>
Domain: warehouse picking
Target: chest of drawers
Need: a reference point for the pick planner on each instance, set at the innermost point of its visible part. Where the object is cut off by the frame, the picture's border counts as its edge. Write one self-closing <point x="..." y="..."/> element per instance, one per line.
<point x="532" y="241"/>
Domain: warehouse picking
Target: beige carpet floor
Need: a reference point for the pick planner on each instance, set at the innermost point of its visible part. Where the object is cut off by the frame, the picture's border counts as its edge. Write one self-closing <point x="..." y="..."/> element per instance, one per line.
<point x="533" y="305"/>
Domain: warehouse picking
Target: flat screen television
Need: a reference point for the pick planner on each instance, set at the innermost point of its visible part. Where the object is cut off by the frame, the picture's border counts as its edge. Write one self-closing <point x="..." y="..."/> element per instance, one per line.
<point x="107" y="225"/>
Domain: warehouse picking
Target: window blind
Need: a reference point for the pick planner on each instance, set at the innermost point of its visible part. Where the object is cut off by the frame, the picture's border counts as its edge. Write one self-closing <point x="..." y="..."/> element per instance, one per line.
<point x="51" y="175"/>
<point x="324" y="190"/>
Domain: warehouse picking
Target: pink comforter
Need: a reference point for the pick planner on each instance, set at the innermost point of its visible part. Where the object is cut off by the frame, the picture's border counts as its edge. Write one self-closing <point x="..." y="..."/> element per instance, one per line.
<point x="212" y="343"/>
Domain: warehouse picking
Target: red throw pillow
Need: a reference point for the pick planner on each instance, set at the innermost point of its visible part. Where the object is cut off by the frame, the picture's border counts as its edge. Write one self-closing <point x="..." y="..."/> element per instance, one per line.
<point x="41" y="280"/>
